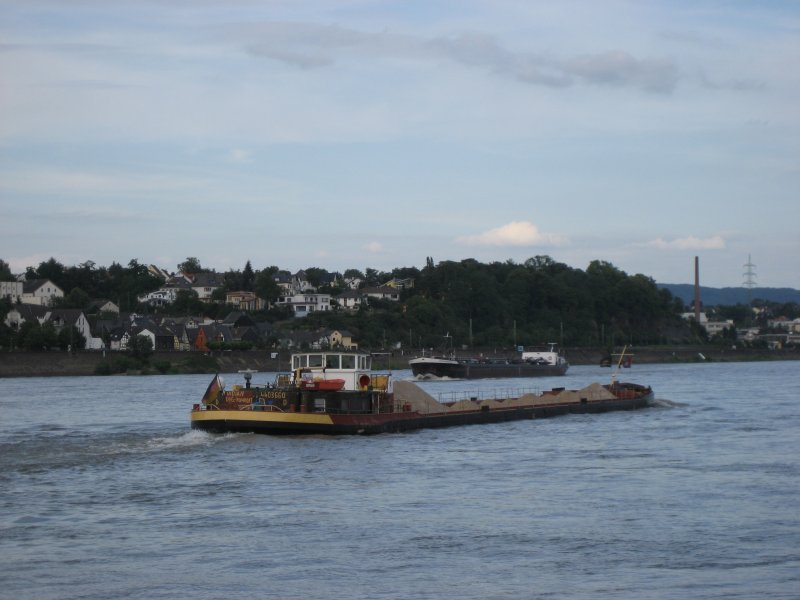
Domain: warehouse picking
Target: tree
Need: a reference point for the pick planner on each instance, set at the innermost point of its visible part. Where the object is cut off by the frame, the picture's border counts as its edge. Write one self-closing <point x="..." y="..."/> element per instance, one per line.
<point x="50" y="269"/>
<point x="71" y="337"/>
<point x="315" y="275"/>
<point x="353" y="274"/>
<point x="140" y="347"/>
<point x="265" y="286"/>
<point x="186" y="303"/>
<point x="5" y="271"/>
<point x="190" y="266"/>
<point x="248" y="277"/>
<point x="33" y="336"/>
<point x="76" y="298"/>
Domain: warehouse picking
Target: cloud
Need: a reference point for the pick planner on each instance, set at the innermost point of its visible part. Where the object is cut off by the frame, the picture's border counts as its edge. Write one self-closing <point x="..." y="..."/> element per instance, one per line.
<point x="715" y="242"/>
<point x="516" y="233"/>
<point x="622" y="69"/>
<point x="374" y="247"/>
<point x="307" y="46"/>
<point x="238" y="155"/>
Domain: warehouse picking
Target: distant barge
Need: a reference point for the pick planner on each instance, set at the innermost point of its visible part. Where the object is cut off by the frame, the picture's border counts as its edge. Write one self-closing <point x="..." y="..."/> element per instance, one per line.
<point x="335" y="393"/>
<point x="535" y="363"/>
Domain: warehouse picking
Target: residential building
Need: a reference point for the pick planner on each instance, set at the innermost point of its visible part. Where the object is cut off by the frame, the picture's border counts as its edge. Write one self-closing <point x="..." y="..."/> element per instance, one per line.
<point x="11" y="290"/>
<point x="400" y="284"/>
<point x="304" y="304"/>
<point x="20" y="313"/>
<point x="244" y="300"/>
<point x="40" y="291"/>
<point x="351" y="299"/>
<point x="382" y="293"/>
<point x="342" y="338"/>
<point x="204" y="284"/>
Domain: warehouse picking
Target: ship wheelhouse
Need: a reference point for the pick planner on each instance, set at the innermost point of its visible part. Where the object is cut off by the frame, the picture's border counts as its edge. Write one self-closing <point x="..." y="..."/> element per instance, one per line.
<point x="353" y="367"/>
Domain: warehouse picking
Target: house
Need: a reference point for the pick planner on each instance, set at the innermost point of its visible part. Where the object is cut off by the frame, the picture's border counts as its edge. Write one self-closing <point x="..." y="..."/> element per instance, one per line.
<point x="102" y="306"/>
<point x="160" y="297"/>
<point x="342" y="339"/>
<point x="204" y="284"/>
<point x="239" y="319"/>
<point x="74" y="317"/>
<point x="314" y="340"/>
<point x="118" y="339"/>
<point x="330" y="279"/>
<point x="717" y="327"/>
<point x="244" y="300"/>
<point x="784" y="323"/>
<point x="747" y="335"/>
<point x="292" y="284"/>
<point x="382" y="293"/>
<point x="40" y="291"/>
<point x="149" y="334"/>
<point x="353" y="283"/>
<point x="158" y="272"/>
<point x="20" y="313"/>
<point x="400" y="284"/>
<point x="351" y="299"/>
<point x="11" y="290"/>
<point x="284" y="280"/>
<point x="304" y="304"/>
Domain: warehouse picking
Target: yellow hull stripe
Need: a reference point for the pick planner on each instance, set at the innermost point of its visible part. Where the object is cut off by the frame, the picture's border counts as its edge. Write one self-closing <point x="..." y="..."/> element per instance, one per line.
<point x="262" y="417"/>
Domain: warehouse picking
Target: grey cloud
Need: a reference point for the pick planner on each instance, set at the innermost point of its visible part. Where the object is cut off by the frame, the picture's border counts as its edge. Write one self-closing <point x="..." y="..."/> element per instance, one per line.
<point x="306" y="46"/>
<point x="737" y="85"/>
<point x="620" y="69"/>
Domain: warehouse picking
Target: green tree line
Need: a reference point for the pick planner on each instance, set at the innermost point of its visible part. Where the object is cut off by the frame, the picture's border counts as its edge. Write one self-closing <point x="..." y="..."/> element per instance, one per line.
<point x="500" y="304"/>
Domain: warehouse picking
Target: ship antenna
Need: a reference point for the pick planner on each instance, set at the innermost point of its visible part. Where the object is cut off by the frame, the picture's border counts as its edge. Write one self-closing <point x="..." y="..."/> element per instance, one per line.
<point x="619" y="364"/>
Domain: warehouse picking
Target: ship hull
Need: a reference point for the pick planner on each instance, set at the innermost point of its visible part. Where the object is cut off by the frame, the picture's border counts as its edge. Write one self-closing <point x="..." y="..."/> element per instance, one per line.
<point x="478" y="370"/>
<point x="233" y="421"/>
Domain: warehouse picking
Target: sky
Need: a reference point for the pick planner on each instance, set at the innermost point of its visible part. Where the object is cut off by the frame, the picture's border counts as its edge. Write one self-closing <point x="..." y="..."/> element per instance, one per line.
<point x="375" y="134"/>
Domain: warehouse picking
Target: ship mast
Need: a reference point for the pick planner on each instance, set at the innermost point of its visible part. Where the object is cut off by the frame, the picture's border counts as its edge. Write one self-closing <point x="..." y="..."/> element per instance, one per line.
<point x="619" y="364"/>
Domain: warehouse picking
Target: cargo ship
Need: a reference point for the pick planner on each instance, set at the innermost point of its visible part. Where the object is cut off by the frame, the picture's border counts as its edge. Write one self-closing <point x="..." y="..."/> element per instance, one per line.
<point x="533" y="363"/>
<point x="335" y="392"/>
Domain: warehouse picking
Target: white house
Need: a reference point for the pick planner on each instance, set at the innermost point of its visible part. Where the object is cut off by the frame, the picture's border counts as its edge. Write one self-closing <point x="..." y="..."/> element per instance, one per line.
<point x="160" y="297"/>
<point x="716" y="327"/>
<point x="382" y="293"/>
<point x="351" y="299"/>
<point x="304" y="304"/>
<point x="205" y="284"/>
<point x="73" y="317"/>
<point x="11" y="290"/>
<point x="20" y="313"/>
<point x="40" y="291"/>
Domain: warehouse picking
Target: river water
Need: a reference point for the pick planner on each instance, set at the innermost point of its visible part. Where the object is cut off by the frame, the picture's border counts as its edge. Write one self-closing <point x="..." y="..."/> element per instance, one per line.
<point x="105" y="492"/>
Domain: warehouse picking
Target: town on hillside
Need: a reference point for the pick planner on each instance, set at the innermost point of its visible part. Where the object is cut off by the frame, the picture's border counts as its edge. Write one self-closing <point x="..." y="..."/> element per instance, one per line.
<point x="114" y="309"/>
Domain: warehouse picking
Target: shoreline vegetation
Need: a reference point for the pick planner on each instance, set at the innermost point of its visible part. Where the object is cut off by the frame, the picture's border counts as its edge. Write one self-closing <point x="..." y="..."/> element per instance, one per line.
<point x="59" y="364"/>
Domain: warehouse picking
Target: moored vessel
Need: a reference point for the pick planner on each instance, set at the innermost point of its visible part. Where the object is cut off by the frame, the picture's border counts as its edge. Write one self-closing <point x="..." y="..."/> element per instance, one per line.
<point x="361" y="402"/>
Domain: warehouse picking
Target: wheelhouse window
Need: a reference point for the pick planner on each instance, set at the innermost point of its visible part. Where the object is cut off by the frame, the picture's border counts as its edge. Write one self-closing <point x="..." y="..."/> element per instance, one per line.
<point x="300" y="361"/>
<point x="348" y="361"/>
<point x="314" y="360"/>
<point x="332" y="361"/>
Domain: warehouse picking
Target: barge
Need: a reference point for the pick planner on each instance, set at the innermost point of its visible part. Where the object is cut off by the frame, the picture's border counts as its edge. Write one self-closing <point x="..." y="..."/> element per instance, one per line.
<point x="335" y="392"/>
<point x="534" y="363"/>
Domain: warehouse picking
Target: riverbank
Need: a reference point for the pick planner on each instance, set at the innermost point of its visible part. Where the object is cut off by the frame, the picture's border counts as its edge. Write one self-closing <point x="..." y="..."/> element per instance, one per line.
<point x="45" y="364"/>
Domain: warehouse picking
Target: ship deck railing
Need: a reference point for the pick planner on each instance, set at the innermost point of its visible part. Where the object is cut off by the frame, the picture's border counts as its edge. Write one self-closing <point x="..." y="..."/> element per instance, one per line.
<point x="504" y="393"/>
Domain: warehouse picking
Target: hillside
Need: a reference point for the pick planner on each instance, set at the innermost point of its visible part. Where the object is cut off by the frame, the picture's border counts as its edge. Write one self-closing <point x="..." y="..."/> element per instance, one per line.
<point x="729" y="296"/>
